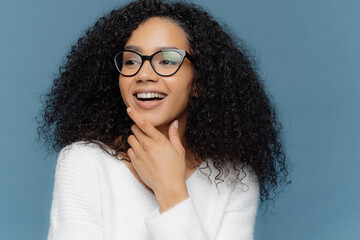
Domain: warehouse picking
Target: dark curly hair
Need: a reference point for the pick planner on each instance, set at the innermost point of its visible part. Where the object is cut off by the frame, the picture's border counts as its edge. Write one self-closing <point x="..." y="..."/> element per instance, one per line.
<point x="232" y="121"/>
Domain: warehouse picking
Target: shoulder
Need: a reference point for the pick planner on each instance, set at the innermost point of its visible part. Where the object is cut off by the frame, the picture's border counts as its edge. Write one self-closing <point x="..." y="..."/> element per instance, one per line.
<point x="81" y="153"/>
<point x="82" y="147"/>
<point x="241" y="182"/>
<point x="245" y="193"/>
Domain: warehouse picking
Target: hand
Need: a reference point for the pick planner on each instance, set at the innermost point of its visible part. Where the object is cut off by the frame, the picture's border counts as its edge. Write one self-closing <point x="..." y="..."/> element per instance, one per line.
<point x="160" y="162"/>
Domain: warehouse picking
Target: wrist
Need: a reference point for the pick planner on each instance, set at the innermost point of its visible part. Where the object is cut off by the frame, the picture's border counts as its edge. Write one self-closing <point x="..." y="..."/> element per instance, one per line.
<point x="169" y="197"/>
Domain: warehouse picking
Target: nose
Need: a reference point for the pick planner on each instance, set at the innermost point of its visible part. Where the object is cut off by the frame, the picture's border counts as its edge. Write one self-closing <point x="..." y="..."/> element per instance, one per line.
<point x="147" y="73"/>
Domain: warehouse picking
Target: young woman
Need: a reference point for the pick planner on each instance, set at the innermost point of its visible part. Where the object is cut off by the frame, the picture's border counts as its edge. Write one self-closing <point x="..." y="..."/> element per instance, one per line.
<point x="165" y="88"/>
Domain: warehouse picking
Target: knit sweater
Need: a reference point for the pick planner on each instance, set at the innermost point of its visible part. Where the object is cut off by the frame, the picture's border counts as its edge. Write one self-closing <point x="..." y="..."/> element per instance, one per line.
<point x="96" y="196"/>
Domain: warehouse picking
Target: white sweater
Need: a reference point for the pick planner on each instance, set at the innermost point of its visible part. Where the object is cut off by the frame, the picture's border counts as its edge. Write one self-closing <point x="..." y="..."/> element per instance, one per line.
<point x="96" y="196"/>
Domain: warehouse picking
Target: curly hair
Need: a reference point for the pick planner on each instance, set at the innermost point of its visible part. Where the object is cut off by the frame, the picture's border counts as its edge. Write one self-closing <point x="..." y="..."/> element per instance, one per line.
<point x="232" y="121"/>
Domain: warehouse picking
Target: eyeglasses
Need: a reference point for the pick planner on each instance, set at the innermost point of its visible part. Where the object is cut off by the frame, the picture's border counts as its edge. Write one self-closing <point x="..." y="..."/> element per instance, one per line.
<point x="165" y="62"/>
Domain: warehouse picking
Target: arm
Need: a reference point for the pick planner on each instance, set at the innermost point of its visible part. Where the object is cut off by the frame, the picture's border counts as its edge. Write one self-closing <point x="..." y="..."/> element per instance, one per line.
<point x="182" y="222"/>
<point x="76" y="205"/>
<point x="167" y="198"/>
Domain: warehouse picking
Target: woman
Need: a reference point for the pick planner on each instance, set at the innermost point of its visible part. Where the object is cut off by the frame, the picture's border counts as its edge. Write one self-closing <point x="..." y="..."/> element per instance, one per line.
<point x="165" y="88"/>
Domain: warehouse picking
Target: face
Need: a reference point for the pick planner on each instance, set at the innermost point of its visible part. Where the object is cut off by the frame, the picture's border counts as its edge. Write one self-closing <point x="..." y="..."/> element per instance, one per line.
<point x="151" y="36"/>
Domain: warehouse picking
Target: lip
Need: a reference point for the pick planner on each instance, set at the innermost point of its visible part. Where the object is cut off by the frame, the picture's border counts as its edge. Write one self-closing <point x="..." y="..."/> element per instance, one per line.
<point x="147" y="104"/>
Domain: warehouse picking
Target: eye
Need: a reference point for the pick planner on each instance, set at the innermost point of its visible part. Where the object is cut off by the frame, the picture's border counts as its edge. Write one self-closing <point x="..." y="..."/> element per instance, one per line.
<point x="130" y="62"/>
<point x="167" y="62"/>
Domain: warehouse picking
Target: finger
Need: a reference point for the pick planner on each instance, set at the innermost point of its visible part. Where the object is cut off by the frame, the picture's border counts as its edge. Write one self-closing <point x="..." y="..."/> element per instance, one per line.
<point x="135" y="145"/>
<point x="174" y="136"/>
<point x="140" y="135"/>
<point x="143" y="123"/>
<point x="132" y="156"/>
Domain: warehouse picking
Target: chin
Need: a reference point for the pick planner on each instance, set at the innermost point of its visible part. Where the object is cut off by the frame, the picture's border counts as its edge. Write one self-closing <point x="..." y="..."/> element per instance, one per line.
<point x="156" y="120"/>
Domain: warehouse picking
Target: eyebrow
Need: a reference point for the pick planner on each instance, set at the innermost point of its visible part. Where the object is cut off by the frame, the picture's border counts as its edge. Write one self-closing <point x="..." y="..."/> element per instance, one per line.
<point x="139" y="49"/>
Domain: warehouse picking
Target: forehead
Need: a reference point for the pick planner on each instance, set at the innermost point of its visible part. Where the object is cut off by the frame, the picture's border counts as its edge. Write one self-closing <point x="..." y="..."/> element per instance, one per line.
<point x="157" y="33"/>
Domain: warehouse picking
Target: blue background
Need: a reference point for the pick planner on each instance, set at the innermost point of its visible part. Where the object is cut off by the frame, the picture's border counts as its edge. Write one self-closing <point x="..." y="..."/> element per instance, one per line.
<point x="309" y="58"/>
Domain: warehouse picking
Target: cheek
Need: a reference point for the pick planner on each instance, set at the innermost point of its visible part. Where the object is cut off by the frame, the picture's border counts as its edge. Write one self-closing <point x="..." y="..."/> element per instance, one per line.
<point x="124" y="88"/>
<point x="183" y="92"/>
<point x="185" y="81"/>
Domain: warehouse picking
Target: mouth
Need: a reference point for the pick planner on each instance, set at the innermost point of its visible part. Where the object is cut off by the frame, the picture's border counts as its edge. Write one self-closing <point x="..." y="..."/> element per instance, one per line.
<point x="149" y="96"/>
<point x="147" y="99"/>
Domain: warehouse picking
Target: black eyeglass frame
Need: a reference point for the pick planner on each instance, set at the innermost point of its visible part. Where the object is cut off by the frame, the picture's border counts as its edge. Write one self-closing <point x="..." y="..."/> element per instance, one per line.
<point x="182" y="52"/>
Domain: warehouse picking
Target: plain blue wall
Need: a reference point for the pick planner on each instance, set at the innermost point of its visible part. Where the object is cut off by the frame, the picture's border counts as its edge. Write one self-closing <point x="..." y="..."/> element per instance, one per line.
<point x="309" y="57"/>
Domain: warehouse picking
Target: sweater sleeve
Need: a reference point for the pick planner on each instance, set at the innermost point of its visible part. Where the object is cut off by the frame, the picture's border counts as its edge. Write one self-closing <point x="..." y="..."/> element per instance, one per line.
<point x="181" y="222"/>
<point x="76" y="205"/>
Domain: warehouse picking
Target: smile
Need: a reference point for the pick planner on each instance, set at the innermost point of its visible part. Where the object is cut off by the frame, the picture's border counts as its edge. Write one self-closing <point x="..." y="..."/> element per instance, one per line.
<point x="149" y="100"/>
<point x="149" y="96"/>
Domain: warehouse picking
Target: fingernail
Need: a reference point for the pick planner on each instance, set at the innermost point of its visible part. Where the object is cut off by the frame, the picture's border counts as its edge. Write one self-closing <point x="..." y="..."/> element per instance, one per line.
<point x="128" y="109"/>
<point x="176" y="124"/>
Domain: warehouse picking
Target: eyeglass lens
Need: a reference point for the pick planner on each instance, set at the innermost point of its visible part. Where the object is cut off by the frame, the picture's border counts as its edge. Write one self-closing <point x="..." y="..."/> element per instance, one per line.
<point x="165" y="62"/>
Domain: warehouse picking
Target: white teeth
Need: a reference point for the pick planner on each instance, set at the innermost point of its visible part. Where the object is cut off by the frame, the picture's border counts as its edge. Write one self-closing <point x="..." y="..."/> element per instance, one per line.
<point x="150" y="95"/>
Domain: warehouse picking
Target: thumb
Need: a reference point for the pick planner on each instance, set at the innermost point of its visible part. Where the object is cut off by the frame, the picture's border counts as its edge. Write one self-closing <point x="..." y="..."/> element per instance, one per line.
<point x="174" y="135"/>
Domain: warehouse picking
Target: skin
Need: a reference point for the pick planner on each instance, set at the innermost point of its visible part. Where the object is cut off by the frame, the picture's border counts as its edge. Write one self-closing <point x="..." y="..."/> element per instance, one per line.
<point x="160" y="158"/>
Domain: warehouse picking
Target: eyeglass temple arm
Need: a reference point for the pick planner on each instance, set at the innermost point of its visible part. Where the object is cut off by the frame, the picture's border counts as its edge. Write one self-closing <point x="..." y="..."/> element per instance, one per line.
<point x="189" y="56"/>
